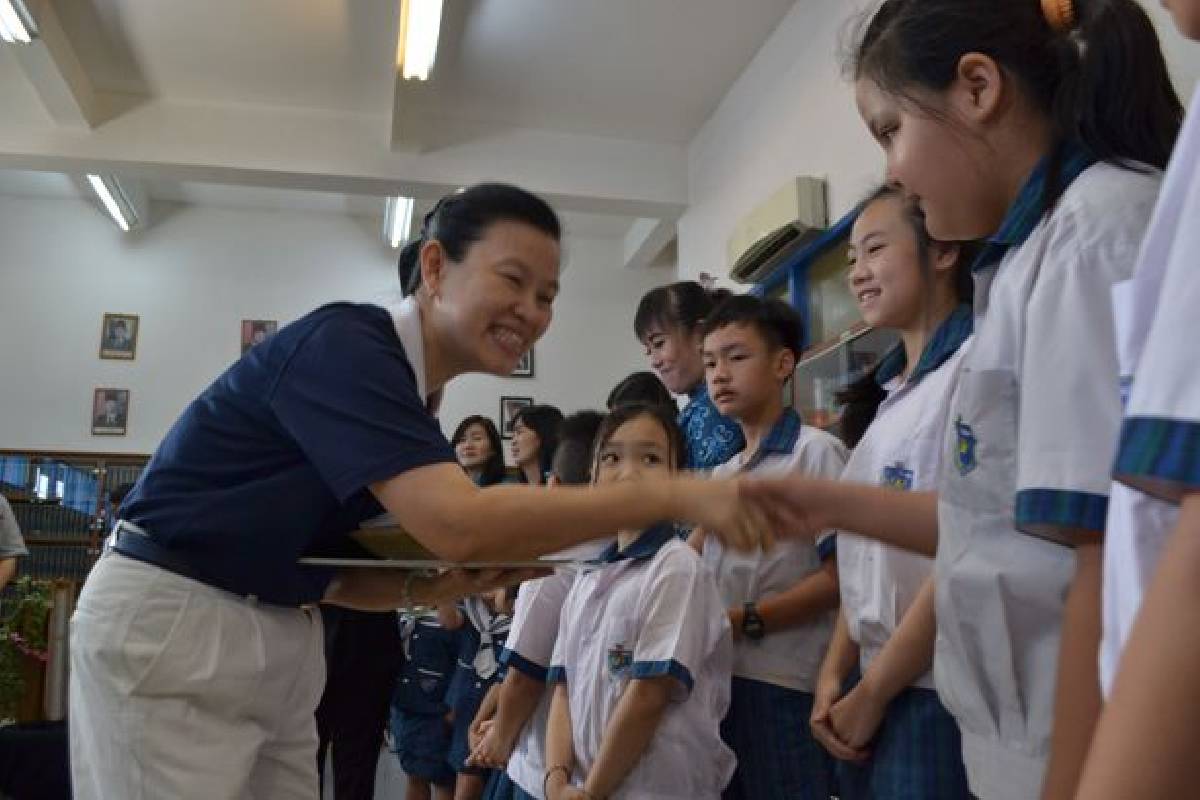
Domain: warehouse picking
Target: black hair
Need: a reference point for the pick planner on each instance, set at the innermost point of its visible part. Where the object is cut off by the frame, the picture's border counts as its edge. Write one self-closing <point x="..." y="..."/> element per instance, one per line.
<point x="860" y="400"/>
<point x="678" y="305"/>
<point x="572" y="462"/>
<point x="1103" y="84"/>
<point x="775" y="321"/>
<point x="640" y="387"/>
<point x="663" y="415"/>
<point x="493" y="468"/>
<point x="459" y="220"/>
<point x="117" y="495"/>
<point x="544" y="421"/>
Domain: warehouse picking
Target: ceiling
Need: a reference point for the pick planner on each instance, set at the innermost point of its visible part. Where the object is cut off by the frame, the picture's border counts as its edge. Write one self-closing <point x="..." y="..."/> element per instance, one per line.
<point x="590" y="102"/>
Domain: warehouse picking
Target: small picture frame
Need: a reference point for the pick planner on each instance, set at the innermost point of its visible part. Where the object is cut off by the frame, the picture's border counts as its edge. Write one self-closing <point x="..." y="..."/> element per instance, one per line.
<point x="118" y="336"/>
<point x="110" y="412"/>
<point x="524" y="366"/>
<point x="509" y="408"/>
<point x="255" y="331"/>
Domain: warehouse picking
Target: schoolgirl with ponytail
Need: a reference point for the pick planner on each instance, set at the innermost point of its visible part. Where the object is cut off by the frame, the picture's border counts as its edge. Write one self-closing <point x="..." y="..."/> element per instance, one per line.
<point x="1041" y="126"/>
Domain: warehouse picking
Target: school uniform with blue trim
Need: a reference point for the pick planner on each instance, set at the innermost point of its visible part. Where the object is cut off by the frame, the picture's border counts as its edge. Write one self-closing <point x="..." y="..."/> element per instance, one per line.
<point x="917" y="752"/>
<point x="481" y="640"/>
<point x="1033" y="423"/>
<point x="711" y="437"/>
<point x="529" y="649"/>
<point x="651" y="610"/>
<point x="420" y="733"/>
<point x="191" y="628"/>
<point x="773" y="679"/>
<point x="1158" y="460"/>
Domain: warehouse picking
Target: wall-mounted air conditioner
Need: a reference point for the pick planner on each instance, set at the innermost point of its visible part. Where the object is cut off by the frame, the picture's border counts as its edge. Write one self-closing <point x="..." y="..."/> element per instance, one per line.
<point x="779" y="226"/>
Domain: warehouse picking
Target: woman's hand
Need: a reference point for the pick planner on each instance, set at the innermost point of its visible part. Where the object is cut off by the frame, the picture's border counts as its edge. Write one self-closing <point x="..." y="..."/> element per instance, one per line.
<point x="792" y="506"/>
<point x="490" y="752"/>
<point x="826" y="695"/>
<point x="857" y="716"/>
<point x="383" y="589"/>
<point x="719" y="507"/>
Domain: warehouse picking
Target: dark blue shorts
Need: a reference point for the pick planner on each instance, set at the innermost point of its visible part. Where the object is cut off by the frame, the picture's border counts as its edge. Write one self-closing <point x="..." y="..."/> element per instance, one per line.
<point x="501" y="787"/>
<point x="464" y="697"/>
<point x="778" y="759"/>
<point x="422" y="742"/>
<point x="917" y="754"/>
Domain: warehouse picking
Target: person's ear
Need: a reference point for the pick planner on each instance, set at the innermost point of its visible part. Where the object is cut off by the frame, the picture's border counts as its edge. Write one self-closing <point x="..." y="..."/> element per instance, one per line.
<point x="977" y="92"/>
<point x="785" y="363"/>
<point x="432" y="260"/>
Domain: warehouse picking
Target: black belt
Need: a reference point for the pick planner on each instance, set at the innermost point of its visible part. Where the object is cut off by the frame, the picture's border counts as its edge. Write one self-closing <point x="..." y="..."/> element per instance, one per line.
<point x="137" y="544"/>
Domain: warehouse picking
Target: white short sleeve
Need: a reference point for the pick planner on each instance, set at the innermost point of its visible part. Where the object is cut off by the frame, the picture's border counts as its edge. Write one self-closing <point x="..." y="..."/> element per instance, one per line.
<point x="1069" y="409"/>
<point x="529" y="647"/>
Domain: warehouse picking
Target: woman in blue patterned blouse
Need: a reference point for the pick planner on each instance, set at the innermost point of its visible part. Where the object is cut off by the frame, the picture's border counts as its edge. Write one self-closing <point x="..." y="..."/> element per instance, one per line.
<point x="668" y="324"/>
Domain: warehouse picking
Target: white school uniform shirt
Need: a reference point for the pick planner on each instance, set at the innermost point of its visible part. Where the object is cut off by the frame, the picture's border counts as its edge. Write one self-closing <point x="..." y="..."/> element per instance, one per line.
<point x="790" y="658"/>
<point x="1159" y="454"/>
<point x="902" y="449"/>
<point x="529" y="648"/>
<point x="650" y="611"/>
<point x="1033" y="424"/>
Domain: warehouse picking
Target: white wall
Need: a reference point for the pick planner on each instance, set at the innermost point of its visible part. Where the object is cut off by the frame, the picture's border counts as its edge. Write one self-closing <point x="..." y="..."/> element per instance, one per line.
<point x="792" y="113"/>
<point x="197" y="272"/>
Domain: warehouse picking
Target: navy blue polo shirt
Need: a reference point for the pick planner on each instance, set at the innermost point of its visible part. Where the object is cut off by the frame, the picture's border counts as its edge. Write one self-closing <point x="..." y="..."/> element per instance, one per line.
<point x="274" y="459"/>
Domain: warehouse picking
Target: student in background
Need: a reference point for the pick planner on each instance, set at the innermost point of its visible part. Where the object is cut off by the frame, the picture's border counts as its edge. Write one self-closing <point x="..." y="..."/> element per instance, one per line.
<point x="668" y="324"/>
<point x="511" y="738"/>
<point x="640" y="387"/>
<point x="641" y="661"/>
<point x="1145" y="743"/>
<point x="535" y="435"/>
<point x="479" y="449"/>
<point x="894" y="739"/>
<point x="12" y="545"/>
<point x="999" y="120"/>
<point x="482" y="622"/>
<point x="780" y="602"/>
<point x="419" y="725"/>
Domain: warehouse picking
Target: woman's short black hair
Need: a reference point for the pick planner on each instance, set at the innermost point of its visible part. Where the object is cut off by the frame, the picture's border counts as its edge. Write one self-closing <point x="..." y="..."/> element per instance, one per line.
<point x="572" y="463"/>
<point x="663" y="415"/>
<point x="682" y="305"/>
<point x="461" y="219"/>
<point x="544" y="421"/>
<point x="640" y="387"/>
<point x="493" y="468"/>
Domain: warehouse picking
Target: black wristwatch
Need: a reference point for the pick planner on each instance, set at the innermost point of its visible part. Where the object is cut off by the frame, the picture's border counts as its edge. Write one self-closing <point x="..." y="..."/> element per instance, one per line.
<point x="752" y="624"/>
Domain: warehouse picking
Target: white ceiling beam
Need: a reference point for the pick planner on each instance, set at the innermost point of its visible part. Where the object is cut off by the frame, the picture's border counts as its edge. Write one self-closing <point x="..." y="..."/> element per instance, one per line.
<point x="315" y="150"/>
<point x="56" y="74"/>
<point x="645" y="240"/>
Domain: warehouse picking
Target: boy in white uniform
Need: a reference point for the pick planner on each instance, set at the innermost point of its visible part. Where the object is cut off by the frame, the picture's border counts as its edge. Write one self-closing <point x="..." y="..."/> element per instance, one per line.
<point x="780" y="603"/>
<point x="1145" y="742"/>
<point x="643" y="653"/>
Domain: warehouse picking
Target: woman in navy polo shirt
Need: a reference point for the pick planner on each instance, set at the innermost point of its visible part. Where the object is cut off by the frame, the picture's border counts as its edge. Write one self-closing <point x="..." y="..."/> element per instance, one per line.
<point x="196" y="657"/>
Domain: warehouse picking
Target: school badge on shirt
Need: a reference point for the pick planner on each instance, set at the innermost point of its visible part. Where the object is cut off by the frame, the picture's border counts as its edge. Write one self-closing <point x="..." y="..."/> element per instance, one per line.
<point x="965" y="451"/>
<point x="620" y="659"/>
<point x="897" y="477"/>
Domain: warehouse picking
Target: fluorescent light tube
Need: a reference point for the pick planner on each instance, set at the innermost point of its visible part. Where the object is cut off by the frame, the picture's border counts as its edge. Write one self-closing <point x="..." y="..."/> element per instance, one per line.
<point x="114" y="201"/>
<point x="397" y="220"/>
<point x="16" y="23"/>
<point x="420" y="24"/>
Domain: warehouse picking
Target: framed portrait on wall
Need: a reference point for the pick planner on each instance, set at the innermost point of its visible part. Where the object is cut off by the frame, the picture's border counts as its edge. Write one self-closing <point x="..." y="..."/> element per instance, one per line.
<point x="524" y="366"/>
<point x="118" y="336"/>
<point x="255" y="331"/>
<point x="509" y="407"/>
<point x="110" y="412"/>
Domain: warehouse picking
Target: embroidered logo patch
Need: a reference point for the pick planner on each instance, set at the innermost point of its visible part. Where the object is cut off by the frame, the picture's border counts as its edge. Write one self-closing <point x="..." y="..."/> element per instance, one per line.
<point x="620" y="659"/>
<point x="898" y="477"/>
<point x="965" y="452"/>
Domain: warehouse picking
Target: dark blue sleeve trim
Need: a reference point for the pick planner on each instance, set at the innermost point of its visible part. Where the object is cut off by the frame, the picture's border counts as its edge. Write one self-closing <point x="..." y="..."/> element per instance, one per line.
<point x="513" y="659"/>
<point x="827" y="548"/>
<point x="1160" y="449"/>
<point x="657" y="669"/>
<point x="1041" y="509"/>
<point x="556" y="674"/>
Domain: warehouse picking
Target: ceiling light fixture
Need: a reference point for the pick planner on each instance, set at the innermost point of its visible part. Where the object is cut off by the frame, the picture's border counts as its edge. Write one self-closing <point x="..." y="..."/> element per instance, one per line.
<point x="16" y="23"/>
<point x="420" y="22"/>
<point x="115" y="201"/>
<point x="397" y="219"/>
